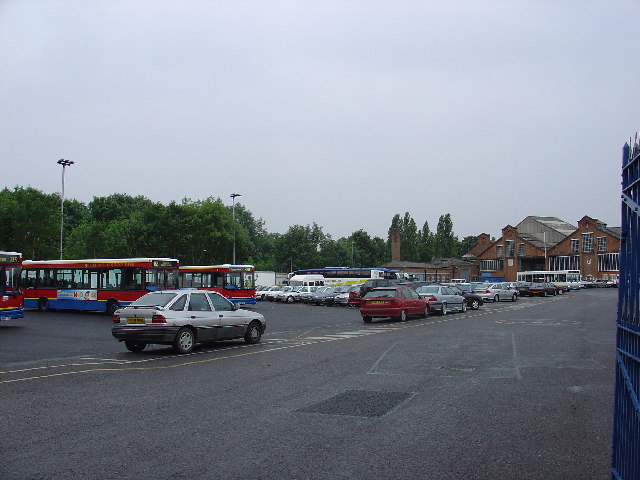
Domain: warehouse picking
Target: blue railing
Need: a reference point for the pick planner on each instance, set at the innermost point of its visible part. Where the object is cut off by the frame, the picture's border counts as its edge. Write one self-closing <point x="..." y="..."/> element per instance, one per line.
<point x="625" y="456"/>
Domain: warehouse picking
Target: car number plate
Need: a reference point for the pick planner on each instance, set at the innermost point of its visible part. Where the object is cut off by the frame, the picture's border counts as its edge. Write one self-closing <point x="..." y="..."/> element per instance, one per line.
<point x="135" y="321"/>
<point x="377" y="301"/>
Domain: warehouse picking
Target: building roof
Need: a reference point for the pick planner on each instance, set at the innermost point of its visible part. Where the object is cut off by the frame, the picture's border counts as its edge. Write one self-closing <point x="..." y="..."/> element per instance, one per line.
<point x="433" y="264"/>
<point x="553" y="223"/>
<point x="615" y="231"/>
<point x="535" y="239"/>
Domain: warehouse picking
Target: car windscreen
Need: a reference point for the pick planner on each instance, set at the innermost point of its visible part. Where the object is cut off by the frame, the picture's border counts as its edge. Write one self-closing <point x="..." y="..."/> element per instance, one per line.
<point x="159" y="299"/>
<point x="383" y="293"/>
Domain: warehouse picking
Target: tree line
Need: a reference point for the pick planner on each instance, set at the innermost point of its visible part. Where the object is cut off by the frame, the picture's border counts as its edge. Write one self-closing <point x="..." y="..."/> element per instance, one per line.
<point x="199" y="232"/>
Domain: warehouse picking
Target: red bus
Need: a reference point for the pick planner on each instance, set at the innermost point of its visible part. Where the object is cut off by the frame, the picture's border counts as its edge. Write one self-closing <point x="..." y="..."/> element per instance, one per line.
<point x="94" y="285"/>
<point x="11" y="301"/>
<point x="236" y="282"/>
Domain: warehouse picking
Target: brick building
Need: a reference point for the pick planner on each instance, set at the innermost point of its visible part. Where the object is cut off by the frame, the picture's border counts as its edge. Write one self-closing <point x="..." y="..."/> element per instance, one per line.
<point x="593" y="248"/>
<point x="548" y="243"/>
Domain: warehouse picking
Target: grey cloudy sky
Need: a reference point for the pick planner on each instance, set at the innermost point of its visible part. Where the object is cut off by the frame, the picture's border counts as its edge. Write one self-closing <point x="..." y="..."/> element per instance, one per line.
<point x="341" y="113"/>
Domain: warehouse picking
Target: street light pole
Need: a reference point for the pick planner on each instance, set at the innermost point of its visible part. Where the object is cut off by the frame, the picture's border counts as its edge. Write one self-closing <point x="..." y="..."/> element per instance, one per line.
<point x="233" y="214"/>
<point x="64" y="163"/>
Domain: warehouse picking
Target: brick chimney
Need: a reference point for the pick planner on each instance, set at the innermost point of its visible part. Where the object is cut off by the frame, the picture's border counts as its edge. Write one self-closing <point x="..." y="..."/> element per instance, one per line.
<point x="394" y="233"/>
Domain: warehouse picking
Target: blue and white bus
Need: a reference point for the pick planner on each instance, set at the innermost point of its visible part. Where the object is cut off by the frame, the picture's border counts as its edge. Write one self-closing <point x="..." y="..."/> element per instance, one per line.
<point x="570" y="279"/>
<point x="340" y="275"/>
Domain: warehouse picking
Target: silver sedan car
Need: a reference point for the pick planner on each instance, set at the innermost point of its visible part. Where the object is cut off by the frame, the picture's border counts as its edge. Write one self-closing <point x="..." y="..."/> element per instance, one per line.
<point x="495" y="292"/>
<point x="182" y="318"/>
<point x="442" y="298"/>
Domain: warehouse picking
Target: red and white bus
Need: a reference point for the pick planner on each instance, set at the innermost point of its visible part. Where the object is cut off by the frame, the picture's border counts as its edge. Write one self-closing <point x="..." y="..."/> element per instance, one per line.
<point x="11" y="301"/>
<point x="236" y="282"/>
<point x="101" y="285"/>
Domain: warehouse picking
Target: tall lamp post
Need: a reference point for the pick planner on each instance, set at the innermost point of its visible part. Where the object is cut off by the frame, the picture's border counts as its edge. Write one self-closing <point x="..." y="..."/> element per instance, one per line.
<point x="64" y="163"/>
<point x="233" y="214"/>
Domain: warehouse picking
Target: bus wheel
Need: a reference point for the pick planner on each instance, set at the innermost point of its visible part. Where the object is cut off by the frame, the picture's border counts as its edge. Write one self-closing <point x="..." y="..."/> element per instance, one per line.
<point x="43" y="304"/>
<point x="366" y="319"/>
<point x="112" y="306"/>
<point x="134" y="346"/>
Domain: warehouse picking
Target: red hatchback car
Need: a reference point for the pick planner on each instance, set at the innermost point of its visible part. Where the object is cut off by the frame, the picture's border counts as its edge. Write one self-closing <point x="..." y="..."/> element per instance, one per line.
<point x="398" y="302"/>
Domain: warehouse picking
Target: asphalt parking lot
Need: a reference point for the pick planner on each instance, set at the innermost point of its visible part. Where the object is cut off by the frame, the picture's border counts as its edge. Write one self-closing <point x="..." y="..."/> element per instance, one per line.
<point x="513" y="390"/>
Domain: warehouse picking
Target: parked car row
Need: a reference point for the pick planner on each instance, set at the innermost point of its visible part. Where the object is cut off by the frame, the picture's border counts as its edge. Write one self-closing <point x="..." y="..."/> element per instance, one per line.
<point x="322" y="295"/>
<point x="416" y="299"/>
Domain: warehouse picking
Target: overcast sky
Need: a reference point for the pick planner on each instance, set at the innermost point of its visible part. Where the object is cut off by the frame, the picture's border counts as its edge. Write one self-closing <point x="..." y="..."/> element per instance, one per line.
<point x="342" y="113"/>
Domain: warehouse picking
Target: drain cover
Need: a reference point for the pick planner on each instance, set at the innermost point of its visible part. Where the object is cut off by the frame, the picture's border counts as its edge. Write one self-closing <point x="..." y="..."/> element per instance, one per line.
<point x="359" y="403"/>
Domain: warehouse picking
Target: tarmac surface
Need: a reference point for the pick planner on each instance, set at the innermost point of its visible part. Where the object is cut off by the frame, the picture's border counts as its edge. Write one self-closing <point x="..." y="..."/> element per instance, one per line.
<point x="517" y="390"/>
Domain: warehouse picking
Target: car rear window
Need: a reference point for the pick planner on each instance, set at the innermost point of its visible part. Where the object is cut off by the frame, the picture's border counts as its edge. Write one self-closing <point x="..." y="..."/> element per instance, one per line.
<point x="382" y="293"/>
<point x="159" y="299"/>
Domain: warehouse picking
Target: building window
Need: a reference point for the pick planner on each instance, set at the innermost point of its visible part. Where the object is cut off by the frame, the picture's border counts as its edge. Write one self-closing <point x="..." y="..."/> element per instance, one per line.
<point x="521" y="249"/>
<point x="500" y="251"/>
<point x="491" y="265"/>
<point x="564" y="262"/>
<point x="587" y="242"/>
<point x="510" y="248"/>
<point x="608" y="262"/>
<point x="602" y="244"/>
<point x="575" y="245"/>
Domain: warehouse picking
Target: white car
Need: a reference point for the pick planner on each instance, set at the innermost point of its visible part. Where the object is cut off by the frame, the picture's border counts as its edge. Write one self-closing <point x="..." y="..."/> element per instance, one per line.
<point x="183" y="318"/>
<point x="298" y="293"/>
<point x="280" y="295"/>
<point x="261" y="293"/>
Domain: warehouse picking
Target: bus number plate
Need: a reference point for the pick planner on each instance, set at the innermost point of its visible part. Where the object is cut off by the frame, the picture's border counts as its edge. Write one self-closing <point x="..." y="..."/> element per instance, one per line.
<point x="135" y="321"/>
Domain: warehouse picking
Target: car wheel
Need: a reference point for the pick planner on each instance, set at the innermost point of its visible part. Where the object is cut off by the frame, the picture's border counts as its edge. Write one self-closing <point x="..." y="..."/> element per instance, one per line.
<point x="496" y="298"/>
<point x="555" y="292"/>
<point x="475" y="304"/>
<point x="43" y="304"/>
<point x="425" y="314"/>
<point x="464" y="307"/>
<point x="253" y="333"/>
<point x="403" y="316"/>
<point x="544" y="293"/>
<point x="112" y="306"/>
<point x="514" y="298"/>
<point x="184" y="341"/>
<point x="560" y="292"/>
<point x="289" y="299"/>
<point x="366" y="319"/>
<point x="134" y="346"/>
<point x="444" y="309"/>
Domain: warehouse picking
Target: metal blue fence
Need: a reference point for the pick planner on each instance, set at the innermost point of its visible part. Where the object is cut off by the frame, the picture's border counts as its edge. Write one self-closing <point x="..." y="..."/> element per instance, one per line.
<point x="625" y="456"/>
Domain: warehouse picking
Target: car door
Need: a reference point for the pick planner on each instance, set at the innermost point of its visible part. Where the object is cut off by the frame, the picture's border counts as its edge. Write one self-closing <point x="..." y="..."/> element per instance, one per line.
<point x="451" y="298"/>
<point x="202" y="317"/>
<point x="410" y="303"/>
<point x="233" y="322"/>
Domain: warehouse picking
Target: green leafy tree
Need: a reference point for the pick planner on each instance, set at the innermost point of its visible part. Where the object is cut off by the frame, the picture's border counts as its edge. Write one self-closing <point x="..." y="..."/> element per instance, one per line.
<point x="30" y="222"/>
<point x="300" y="247"/>
<point x="409" y="237"/>
<point x="466" y="244"/>
<point x="425" y="244"/>
<point x="445" y="242"/>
